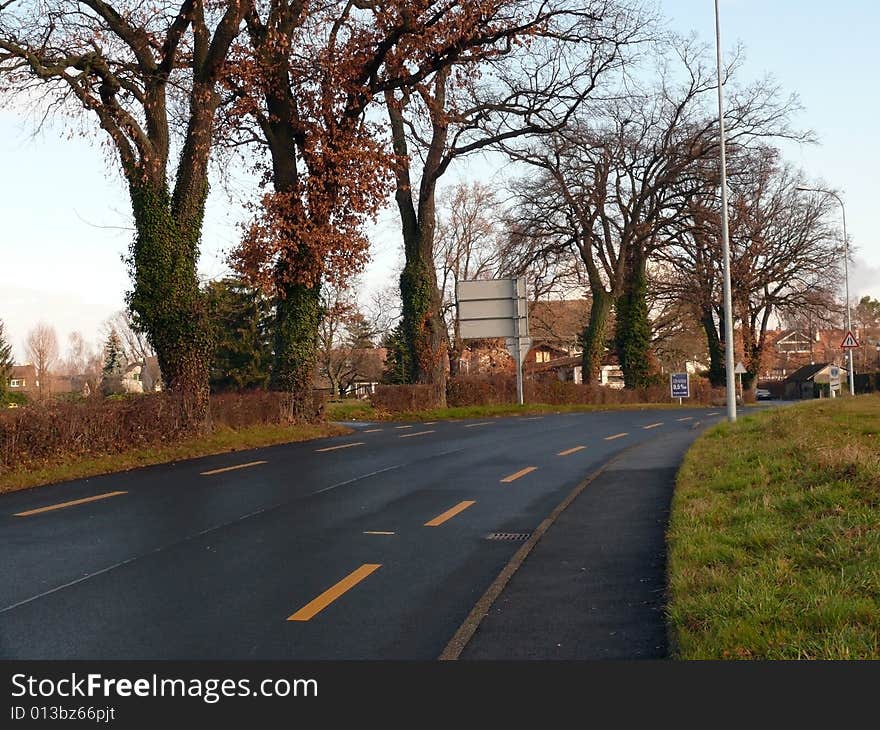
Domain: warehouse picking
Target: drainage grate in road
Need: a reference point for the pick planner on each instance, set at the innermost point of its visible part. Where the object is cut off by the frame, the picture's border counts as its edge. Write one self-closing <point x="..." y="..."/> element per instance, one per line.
<point x="509" y="536"/>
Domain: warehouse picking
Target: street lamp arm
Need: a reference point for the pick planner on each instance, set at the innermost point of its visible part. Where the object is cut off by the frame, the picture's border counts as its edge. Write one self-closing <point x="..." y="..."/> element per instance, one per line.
<point x="845" y="274"/>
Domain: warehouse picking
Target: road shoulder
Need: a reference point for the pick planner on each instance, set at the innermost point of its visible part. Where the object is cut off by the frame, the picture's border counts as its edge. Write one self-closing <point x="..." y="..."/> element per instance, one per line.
<point x="592" y="583"/>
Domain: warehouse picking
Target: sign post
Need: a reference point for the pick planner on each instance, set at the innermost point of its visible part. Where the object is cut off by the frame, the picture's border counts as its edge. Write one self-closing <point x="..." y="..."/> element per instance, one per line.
<point x="496" y="308"/>
<point x="679" y="386"/>
<point x="740" y="370"/>
<point x="833" y="380"/>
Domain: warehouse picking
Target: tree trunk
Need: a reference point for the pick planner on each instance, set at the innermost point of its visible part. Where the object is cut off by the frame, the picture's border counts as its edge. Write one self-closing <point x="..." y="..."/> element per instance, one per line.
<point x="166" y="296"/>
<point x="423" y="325"/>
<point x="297" y="321"/>
<point x="632" y="328"/>
<point x="716" y="351"/>
<point x="594" y="335"/>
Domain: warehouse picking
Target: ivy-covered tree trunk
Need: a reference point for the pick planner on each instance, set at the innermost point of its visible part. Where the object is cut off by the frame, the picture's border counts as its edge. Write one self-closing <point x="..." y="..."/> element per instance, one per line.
<point x="594" y="336"/>
<point x="716" y="350"/>
<point x="424" y="329"/>
<point x="423" y="325"/>
<point x="633" y="330"/>
<point x="297" y="321"/>
<point x="166" y="297"/>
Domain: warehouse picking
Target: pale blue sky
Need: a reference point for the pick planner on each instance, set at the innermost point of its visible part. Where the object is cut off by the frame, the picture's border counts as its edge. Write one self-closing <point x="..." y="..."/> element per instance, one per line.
<point x="56" y="265"/>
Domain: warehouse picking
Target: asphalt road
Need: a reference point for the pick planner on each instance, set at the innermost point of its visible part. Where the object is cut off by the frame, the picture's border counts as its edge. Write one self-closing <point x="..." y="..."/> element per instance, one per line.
<point x="367" y="546"/>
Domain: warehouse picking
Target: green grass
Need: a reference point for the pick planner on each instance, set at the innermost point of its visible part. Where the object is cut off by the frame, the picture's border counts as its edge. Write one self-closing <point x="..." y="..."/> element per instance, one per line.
<point x="774" y="539"/>
<point x="363" y="411"/>
<point x="219" y="441"/>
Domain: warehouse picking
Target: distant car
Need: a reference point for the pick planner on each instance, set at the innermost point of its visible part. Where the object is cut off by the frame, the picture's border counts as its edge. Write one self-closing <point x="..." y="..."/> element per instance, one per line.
<point x="763" y="394"/>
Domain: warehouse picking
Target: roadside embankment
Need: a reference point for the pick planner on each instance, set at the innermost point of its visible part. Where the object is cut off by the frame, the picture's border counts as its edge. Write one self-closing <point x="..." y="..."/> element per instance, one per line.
<point x="774" y="538"/>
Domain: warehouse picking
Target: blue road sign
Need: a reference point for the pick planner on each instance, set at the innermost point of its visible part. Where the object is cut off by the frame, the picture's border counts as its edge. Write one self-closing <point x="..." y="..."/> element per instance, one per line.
<point x="679" y="385"/>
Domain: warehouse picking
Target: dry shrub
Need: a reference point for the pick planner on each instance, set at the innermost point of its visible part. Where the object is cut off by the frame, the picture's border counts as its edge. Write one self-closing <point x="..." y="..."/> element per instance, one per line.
<point x="501" y="389"/>
<point x="400" y="398"/>
<point x="41" y="433"/>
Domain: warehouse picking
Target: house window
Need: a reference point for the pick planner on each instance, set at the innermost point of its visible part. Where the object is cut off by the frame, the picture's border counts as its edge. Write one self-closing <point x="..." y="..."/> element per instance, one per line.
<point x="16" y="383"/>
<point x="542" y="356"/>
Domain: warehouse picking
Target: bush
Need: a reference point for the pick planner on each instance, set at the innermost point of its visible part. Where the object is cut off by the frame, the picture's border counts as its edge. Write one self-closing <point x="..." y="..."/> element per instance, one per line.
<point x="38" y="433"/>
<point x="501" y="389"/>
<point x="400" y="398"/>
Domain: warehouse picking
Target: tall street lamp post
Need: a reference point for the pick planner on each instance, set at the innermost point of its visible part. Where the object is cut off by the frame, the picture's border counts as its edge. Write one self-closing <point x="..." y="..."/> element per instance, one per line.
<point x="849" y="352"/>
<point x="725" y="234"/>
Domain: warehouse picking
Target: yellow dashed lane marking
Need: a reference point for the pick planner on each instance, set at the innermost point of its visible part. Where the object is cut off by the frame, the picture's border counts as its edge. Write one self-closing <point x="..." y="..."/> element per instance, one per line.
<point x="314" y="607"/>
<point x="517" y="475"/>
<point x="72" y="503"/>
<point x="231" y="468"/>
<point x="415" y="433"/>
<point x="571" y="451"/>
<point x="652" y="425"/>
<point x="616" y="436"/>
<point x="449" y="514"/>
<point x="377" y="532"/>
<point x="341" y="446"/>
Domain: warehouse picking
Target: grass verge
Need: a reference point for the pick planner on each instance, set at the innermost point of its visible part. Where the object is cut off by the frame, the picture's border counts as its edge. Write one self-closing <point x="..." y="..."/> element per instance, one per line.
<point x="774" y="539"/>
<point x="219" y="441"/>
<point x="363" y="411"/>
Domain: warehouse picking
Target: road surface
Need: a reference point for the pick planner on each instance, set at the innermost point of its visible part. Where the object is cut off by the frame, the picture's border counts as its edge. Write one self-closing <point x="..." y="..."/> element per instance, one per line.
<point x="371" y="545"/>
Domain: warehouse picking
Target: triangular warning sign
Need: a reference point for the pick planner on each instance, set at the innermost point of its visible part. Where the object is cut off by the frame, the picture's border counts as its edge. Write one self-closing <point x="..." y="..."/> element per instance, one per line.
<point x="849" y="341"/>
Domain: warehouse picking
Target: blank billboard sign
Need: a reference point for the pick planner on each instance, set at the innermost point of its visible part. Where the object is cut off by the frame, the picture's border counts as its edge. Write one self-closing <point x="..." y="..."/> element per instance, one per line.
<point x="493" y="308"/>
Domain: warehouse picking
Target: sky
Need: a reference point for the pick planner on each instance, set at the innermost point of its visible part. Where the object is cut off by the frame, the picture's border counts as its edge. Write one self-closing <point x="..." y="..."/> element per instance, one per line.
<point x="65" y="223"/>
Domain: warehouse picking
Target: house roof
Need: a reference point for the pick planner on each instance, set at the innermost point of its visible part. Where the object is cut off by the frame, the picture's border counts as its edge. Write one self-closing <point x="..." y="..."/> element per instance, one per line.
<point x="807" y="372"/>
<point x="23" y="371"/>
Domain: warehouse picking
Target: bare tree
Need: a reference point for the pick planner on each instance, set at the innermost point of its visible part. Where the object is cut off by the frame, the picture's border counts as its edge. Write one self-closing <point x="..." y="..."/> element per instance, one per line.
<point x="613" y="186"/>
<point x="135" y="344"/>
<point x="540" y="63"/>
<point x="468" y="245"/>
<point x="783" y="248"/>
<point x="41" y="348"/>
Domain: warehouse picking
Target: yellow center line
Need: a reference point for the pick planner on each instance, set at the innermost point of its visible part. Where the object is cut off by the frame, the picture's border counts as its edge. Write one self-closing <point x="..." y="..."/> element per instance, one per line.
<point x="474" y="425"/>
<point x="518" y="474"/>
<point x="686" y="418"/>
<point x="652" y="425"/>
<point x="372" y="430"/>
<point x="415" y="433"/>
<point x="377" y="532"/>
<point x="449" y="514"/>
<point x="399" y="427"/>
<point x="571" y="451"/>
<point x="67" y="504"/>
<point x="314" y="607"/>
<point x="616" y="436"/>
<point x="231" y="468"/>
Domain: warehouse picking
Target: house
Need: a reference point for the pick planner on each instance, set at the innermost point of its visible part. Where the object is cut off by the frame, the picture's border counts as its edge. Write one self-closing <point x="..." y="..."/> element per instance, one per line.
<point x="555" y="327"/>
<point x="788" y="350"/>
<point x="807" y="381"/>
<point x="23" y="379"/>
<point x="356" y="371"/>
<point x="142" y="376"/>
<point x="369" y="364"/>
